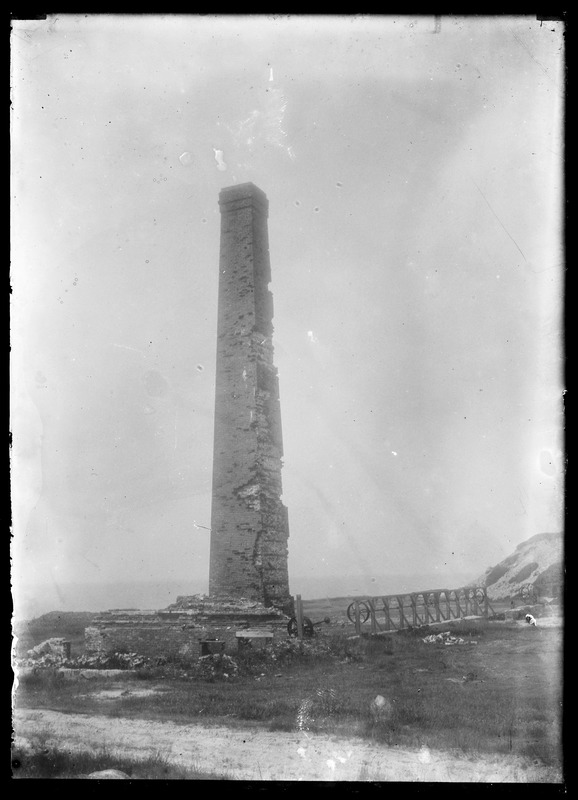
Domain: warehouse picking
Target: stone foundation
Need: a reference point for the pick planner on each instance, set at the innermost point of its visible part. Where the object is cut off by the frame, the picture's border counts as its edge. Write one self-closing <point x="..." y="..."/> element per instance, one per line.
<point x="188" y="627"/>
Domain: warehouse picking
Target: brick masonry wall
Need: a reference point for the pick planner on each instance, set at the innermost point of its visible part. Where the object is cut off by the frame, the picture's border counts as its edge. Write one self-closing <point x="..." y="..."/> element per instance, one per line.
<point x="154" y="635"/>
<point x="249" y="523"/>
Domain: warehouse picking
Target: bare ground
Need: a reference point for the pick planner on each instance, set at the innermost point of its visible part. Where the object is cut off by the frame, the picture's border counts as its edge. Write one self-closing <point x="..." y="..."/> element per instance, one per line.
<point x="251" y="754"/>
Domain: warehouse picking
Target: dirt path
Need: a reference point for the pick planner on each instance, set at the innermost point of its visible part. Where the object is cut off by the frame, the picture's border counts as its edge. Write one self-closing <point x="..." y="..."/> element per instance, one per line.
<point x="263" y="755"/>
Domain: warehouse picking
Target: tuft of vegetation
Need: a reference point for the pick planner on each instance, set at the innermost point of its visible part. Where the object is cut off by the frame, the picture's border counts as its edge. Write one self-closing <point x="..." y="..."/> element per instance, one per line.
<point x="40" y="761"/>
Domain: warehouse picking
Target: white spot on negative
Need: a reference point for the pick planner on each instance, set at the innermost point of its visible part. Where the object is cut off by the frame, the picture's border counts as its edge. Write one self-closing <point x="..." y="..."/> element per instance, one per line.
<point x="219" y="159"/>
<point x="424" y="755"/>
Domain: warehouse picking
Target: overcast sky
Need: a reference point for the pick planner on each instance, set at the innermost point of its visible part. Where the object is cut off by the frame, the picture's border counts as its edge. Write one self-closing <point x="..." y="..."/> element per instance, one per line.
<point x="413" y="167"/>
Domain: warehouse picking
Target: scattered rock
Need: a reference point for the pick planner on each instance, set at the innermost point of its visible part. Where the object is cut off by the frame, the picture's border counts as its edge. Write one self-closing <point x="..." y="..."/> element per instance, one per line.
<point x="109" y="774"/>
<point x="445" y="637"/>
<point x="471" y="677"/>
<point x="55" y="646"/>
<point x="381" y="708"/>
<point x="87" y="674"/>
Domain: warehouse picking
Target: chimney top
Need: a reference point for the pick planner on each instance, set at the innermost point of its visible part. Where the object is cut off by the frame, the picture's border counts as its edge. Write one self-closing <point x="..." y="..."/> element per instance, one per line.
<point x="243" y="191"/>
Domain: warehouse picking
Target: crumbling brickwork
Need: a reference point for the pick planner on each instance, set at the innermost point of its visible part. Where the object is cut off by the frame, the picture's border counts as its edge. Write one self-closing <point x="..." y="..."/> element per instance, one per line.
<point x="249" y="523"/>
<point x="181" y="629"/>
<point x="148" y="634"/>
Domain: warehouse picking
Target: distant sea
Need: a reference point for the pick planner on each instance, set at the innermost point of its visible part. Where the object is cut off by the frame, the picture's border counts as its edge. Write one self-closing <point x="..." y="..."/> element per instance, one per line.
<point x="33" y="601"/>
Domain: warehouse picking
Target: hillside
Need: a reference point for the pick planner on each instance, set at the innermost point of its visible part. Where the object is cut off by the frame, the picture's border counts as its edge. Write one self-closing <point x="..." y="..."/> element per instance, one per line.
<point x="538" y="561"/>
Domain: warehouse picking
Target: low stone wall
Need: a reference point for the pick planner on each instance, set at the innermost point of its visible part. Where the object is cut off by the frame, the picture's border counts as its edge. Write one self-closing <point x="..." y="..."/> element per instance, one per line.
<point x="87" y="674"/>
<point x="185" y="629"/>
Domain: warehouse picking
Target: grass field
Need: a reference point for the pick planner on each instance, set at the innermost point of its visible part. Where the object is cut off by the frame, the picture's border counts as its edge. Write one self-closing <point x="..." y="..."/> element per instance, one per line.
<point x="502" y="694"/>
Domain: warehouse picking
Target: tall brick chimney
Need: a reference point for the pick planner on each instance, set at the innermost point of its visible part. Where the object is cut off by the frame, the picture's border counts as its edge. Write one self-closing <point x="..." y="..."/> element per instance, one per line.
<point x="249" y="524"/>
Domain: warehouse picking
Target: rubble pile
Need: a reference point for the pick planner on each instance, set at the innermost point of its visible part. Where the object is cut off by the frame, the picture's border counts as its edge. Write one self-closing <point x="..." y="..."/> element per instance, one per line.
<point x="447" y="638"/>
<point x="220" y="604"/>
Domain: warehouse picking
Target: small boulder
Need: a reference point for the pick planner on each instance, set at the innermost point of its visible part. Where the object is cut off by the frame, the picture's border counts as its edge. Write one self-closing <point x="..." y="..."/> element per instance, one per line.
<point x="381" y="708"/>
<point x="109" y="774"/>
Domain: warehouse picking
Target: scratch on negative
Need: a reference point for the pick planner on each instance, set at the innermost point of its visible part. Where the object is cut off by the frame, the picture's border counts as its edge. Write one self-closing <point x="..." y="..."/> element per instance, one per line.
<point x="499" y="220"/>
<point x="535" y="60"/>
<point x="126" y="347"/>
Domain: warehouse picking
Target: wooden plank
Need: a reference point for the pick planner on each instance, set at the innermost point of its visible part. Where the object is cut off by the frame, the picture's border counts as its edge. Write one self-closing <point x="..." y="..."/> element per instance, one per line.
<point x="375" y="605"/>
<point x="441" y="616"/>
<point x="357" y="617"/>
<point x="424" y="600"/>
<point x="371" y="605"/>
<point x="413" y="603"/>
<point x="476" y="606"/>
<point x="402" y="618"/>
<point x="380" y="626"/>
<point x="388" y="620"/>
<point x="421" y="616"/>
<point x="299" y="615"/>
<point x="459" y="604"/>
<point x="428" y="614"/>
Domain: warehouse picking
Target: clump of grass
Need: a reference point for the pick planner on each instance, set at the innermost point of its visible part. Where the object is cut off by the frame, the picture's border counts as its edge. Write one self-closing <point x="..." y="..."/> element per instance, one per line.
<point x="52" y="762"/>
<point x="276" y="708"/>
<point x="282" y="655"/>
<point x="47" y="678"/>
<point x="318" y="650"/>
